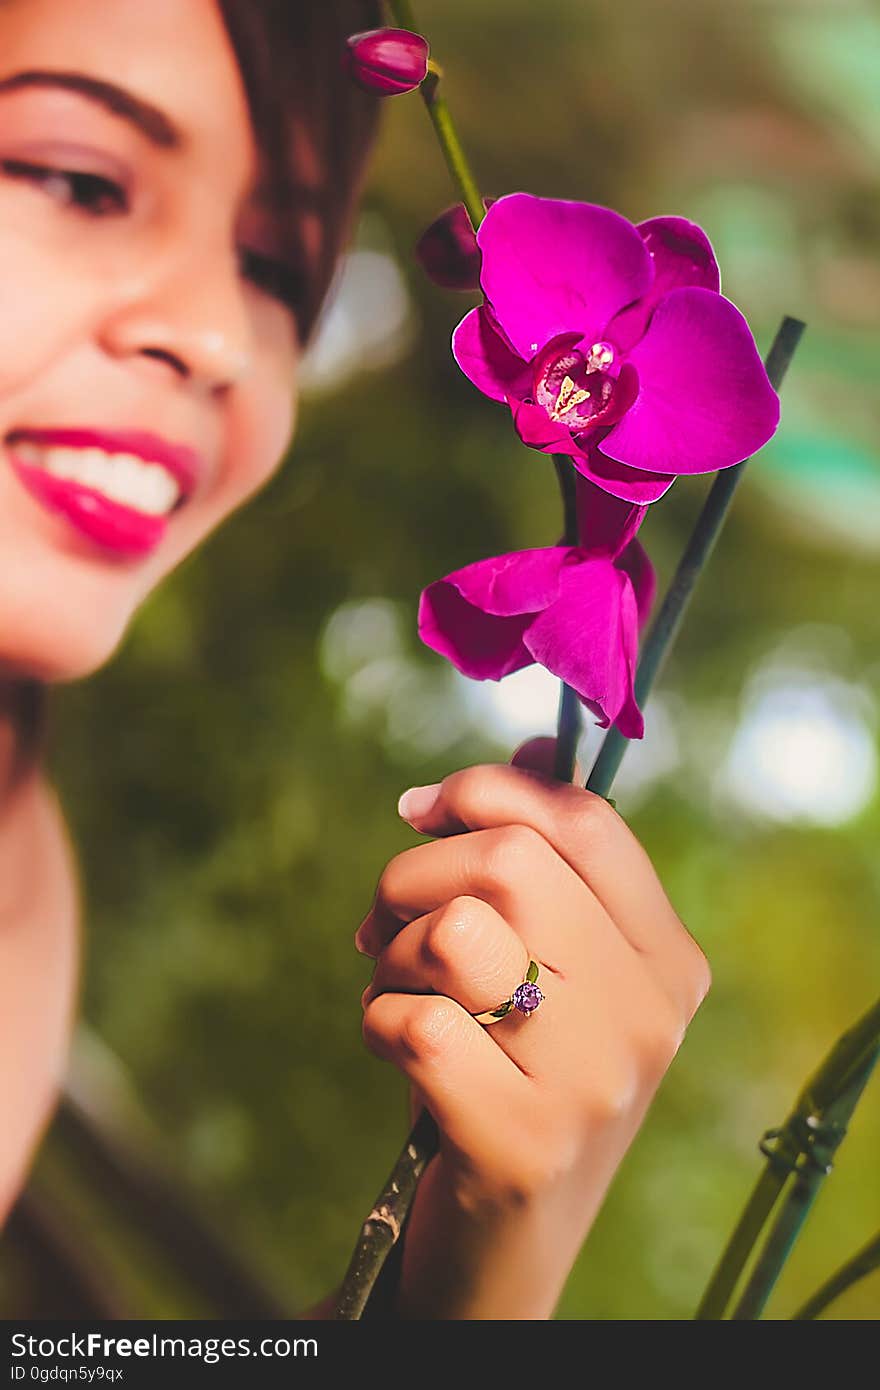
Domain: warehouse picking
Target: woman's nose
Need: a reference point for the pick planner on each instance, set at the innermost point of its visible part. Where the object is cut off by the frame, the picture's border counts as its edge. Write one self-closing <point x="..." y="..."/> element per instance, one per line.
<point x="192" y="314"/>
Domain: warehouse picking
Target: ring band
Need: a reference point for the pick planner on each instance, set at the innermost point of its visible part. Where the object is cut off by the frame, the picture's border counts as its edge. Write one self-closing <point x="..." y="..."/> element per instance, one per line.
<point x="526" y="998"/>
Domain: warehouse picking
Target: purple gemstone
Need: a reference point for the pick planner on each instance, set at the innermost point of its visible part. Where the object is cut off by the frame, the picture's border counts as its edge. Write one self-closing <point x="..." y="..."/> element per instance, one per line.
<point x="527" y="997"/>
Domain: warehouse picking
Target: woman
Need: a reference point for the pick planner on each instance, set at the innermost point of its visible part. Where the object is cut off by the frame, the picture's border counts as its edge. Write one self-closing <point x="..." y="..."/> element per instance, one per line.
<point x="175" y="186"/>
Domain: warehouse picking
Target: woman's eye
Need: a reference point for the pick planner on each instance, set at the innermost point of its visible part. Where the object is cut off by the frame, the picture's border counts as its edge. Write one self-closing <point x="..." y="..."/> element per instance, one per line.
<point x="90" y="193"/>
<point x="282" y="281"/>
<point x="98" y="196"/>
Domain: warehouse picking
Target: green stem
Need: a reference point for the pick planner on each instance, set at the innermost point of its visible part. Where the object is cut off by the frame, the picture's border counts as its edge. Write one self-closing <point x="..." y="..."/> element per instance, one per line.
<point x="859" y="1267"/>
<point x="849" y="1055"/>
<point x="568" y="724"/>
<point x="441" y="119"/>
<point x="829" y="1135"/>
<point x="667" y="623"/>
<point x="844" y="1061"/>
<point x="745" y="1235"/>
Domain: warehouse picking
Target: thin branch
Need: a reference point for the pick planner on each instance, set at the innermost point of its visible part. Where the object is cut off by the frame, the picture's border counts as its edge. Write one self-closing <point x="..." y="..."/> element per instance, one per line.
<point x="865" y="1262"/>
<point x="829" y="1133"/>
<point x="785" y="1147"/>
<point x="383" y="1226"/>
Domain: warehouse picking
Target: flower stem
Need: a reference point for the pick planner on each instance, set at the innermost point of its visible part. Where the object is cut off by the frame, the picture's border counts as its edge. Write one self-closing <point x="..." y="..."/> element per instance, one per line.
<point x="441" y="119"/>
<point x="859" y="1267"/>
<point x="665" y="626"/>
<point x="568" y="724"/>
<point x="841" y="1069"/>
<point x="381" y="1230"/>
<point x="829" y="1134"/>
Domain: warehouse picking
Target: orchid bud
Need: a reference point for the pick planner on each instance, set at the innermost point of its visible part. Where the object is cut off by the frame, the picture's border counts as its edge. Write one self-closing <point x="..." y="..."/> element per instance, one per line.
<point x="447" y="251"/>
<point x="387" y="61"/>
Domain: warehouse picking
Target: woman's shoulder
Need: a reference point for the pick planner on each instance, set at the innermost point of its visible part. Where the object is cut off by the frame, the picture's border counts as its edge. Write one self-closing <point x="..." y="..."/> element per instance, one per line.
<point x="39" y="930"/>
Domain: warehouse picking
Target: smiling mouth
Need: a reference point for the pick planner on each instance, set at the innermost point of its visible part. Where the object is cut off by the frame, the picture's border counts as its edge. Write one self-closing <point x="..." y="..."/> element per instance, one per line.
<point x="119" y="500"/>
<point x="129" y="481"/>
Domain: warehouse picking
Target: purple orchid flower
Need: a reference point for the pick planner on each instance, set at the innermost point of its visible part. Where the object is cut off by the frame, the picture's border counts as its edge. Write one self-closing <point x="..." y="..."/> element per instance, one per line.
<point x="611" y="342"/>
<point x="576" y="610"/>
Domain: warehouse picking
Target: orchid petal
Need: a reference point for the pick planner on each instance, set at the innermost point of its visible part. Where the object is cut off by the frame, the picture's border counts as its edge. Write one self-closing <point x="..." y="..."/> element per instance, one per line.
<point x="479" y="645"/>
<point x="486" y="359"/>
<point x="589" y="639"/>
<point x="552" y="266"/>
<point x="705" y="401"/>
<point x="477" y="615"/>
<point x="682" y="255"/>
<point x="523" y="581"/>
<point x="636" y="562"/>
<point x="535" y="428"/>
<point x="629" y="484"/>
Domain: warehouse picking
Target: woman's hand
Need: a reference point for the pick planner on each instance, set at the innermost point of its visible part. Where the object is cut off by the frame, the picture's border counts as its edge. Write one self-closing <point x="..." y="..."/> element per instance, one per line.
<point x="535" y="1112"/>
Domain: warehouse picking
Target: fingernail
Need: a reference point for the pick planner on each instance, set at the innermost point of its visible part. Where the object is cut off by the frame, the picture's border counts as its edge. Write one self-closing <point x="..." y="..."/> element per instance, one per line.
<point x="417" y="802"/>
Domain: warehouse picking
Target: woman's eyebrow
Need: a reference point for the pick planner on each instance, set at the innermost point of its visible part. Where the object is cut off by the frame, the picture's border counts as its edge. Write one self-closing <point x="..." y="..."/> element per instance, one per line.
<point x="148" y="119"/>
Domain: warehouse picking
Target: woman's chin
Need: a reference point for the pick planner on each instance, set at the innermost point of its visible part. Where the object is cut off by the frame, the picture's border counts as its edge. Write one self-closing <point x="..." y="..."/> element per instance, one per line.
<point x="54" y="646"/>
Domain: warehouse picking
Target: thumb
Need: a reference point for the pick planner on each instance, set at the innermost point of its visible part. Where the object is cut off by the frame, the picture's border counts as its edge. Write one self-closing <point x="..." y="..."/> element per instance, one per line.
<point x="539" y="755"/>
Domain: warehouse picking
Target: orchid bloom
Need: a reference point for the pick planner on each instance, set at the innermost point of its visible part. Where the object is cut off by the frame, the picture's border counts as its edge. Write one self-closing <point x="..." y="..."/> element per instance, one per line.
<point x="575" y="610"/>
<point x="611" y="343"/>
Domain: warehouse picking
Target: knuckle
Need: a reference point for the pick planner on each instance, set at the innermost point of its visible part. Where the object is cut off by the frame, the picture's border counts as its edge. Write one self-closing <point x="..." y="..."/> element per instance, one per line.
<point x="512" y="852"/>
<point x="427" y="1027"/>
<point x="535" y="1169"/>
<point x="595" y="818"/>
<point x="609" y="1097"/>
<point x="700" y="972"/>
<point x="660" y="1035"/>
<point x="467" y="791"/>
<point x="409" y="1028"/>
<point x="377" y="1026"/>
<point x="448" y="930"/>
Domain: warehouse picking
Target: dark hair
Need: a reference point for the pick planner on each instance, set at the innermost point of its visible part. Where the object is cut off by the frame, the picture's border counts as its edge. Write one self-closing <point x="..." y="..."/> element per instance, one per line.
<point x="300" y="98"/>
<point x="290" y="53"/>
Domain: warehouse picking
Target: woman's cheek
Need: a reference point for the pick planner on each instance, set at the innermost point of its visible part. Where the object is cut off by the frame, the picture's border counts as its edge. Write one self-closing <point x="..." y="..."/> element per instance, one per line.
<point x="42" y="317"/>
<point x="260" y="428"/>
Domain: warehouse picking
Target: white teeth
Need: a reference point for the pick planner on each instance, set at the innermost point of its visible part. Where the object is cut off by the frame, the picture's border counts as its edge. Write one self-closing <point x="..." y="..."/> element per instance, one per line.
<point x="131" y="481"/>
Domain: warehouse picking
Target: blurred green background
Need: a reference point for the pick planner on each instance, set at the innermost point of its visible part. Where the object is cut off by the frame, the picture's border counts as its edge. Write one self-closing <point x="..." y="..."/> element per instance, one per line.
<point x="231" y="778"/>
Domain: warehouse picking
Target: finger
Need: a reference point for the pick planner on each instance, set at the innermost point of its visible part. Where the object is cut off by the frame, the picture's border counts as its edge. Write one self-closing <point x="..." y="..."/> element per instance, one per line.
<point x="599" y="1028"/>
<point x="464" y="950"/>
<point x="593" y="841"/>
<point x="469" y="1085"/>
<point x="512" y="868"/>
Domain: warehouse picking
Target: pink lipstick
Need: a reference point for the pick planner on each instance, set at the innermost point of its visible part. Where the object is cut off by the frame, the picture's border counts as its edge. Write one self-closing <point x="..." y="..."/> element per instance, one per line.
<point x="114" y="525"/>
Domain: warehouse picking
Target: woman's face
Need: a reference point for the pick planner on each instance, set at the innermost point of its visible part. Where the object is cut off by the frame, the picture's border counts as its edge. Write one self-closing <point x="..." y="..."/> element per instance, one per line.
<point x="147" y="333"/>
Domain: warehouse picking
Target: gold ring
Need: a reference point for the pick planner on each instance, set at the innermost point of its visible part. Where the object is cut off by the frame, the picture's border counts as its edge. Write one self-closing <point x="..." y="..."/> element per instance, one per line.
<point x="526" y="997"/>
